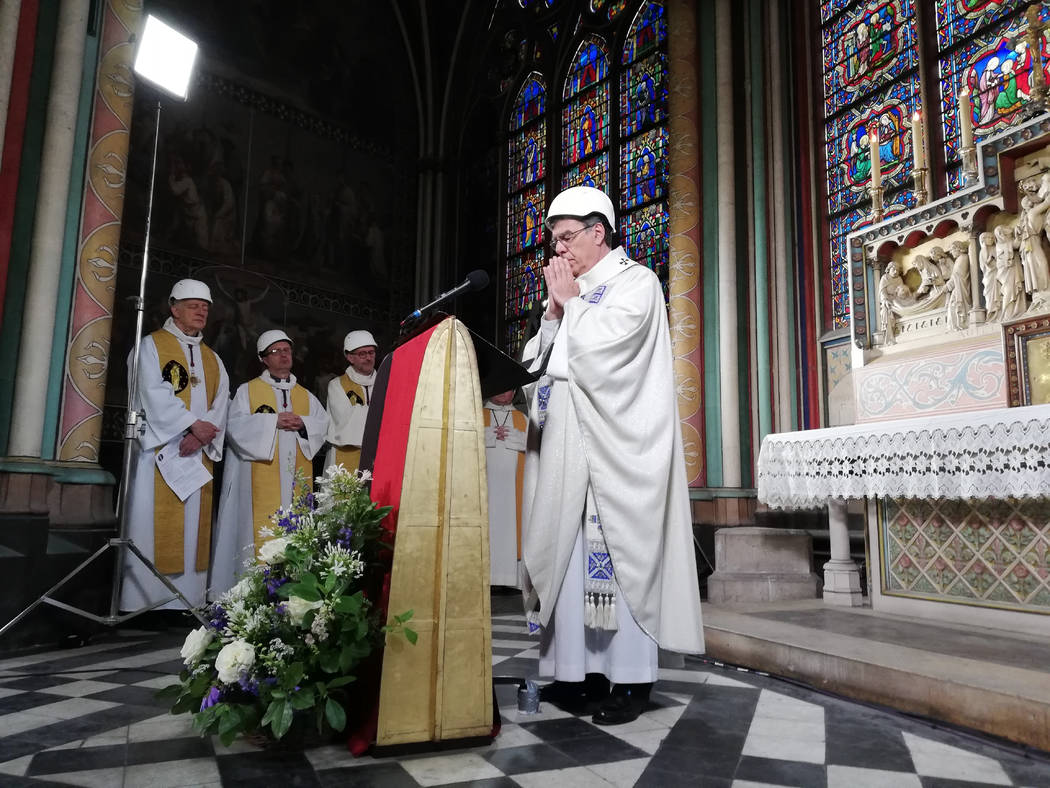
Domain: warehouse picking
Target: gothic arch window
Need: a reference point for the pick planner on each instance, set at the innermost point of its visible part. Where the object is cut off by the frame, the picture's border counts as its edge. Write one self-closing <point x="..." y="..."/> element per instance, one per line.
<point x="608" y="129"/>
<point x="873" y="72"/>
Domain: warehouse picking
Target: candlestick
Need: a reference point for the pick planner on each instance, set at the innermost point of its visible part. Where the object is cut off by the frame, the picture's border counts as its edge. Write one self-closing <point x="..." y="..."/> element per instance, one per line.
<point x="877" y="212"/>
<point x="918" y="152"/>
<point x="876" y="164"/>
<point x="918" y="176"/>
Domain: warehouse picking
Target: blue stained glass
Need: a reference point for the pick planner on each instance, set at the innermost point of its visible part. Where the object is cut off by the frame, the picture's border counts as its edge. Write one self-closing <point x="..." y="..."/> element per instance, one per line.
<point x="644" y="234"/>
<point x="589" y="66"/>
<point x="957" y="20"/>
<point x="829" y="8"/>
<point x="585" y="121"/>
<point x="643" y="94"/>
<point x="524" y="282"/>
<point x="593" y="172"/>
<point x="643" y="175"/>
<point x="525" y="219"/>
<point x="648" y="31"/>
<point x="530" y="103"/>
<point x="526" y="156"/>
<point x="866" y="49"/>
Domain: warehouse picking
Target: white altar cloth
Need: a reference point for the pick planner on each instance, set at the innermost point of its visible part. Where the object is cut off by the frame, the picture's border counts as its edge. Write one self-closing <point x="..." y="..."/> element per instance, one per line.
<point x="999" y="453"/>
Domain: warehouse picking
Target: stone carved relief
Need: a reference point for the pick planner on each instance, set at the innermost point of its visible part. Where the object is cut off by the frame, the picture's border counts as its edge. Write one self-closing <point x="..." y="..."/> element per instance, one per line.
<point x="958" y="301"/>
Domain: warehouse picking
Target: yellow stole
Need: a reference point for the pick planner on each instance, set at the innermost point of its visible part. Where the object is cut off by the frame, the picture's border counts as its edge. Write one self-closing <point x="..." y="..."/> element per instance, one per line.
<point x="520" y="423"/>
<point x="350" y="456"/>
<point x="266" y="474"/>
<point x="168" y="510"/>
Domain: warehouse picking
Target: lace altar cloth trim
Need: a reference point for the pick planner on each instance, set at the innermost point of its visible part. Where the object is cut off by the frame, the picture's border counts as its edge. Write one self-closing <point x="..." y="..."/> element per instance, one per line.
<point x="997" y="453"/>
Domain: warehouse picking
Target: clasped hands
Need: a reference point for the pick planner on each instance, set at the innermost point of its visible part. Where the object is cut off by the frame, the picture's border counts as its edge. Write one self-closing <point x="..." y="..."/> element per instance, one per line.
<point x="561" y="286"/>
<point x="289" y="421"/>
<point x="201" y="434"/>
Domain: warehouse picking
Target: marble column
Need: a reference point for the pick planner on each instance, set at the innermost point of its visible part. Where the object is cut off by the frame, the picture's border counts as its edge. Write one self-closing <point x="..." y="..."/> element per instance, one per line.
<point x="841" y="576"/>
<point x="9" y="12"/>
<point x="91" y="323"/>
<point x="728" y="344"/>
<point x="684" y="230"/>
<point x="45" y="256"/>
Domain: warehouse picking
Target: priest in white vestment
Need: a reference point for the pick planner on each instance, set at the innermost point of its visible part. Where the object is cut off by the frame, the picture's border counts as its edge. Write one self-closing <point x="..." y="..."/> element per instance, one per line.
<point x="275" y="428"/>
<point x="183" y="392"/>
<point x="610" y="571"/>
<point x="349" y="396"/>
<point x="505" y="431"/>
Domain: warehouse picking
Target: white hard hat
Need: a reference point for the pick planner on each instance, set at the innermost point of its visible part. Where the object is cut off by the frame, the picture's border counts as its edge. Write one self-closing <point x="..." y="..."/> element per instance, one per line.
<point x="356" y="339"/>
<point x="580" y="202"/>
<point x="267" y="338"/>
<point x="189" y="288"/>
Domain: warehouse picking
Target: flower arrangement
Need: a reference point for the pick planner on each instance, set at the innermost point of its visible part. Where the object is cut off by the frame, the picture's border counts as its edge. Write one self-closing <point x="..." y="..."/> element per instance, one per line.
<point x="281" y="646"/>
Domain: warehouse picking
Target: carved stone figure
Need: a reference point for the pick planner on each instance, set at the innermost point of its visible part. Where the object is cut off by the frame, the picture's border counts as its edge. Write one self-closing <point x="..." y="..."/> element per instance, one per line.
<point x="943" y="261"/>
<point x="989" y="281"/>
<point x="930" y="273"/>
<point x="959" y="285"/>
<point x="1031" y="229"/>
<point x="892" y="293"/>
<point x="1010" y="275"/>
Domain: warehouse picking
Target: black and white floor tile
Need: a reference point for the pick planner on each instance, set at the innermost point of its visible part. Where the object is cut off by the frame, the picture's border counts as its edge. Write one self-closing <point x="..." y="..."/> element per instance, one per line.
<point x="88" y="717"/>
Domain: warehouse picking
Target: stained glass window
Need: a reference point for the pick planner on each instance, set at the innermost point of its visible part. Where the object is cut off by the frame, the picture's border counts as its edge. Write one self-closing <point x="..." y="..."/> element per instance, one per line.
<point x="981" y="48"/>
<point x="643" y="146"/>
<point x="526" y="203"/>
<point x="611" y="122"/>
<point x="871" y="85"/>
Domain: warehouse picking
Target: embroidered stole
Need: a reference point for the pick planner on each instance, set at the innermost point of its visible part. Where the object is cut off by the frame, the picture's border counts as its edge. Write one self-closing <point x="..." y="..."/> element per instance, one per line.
<point x="266" y="474"/>
<point x="168" y="510"/>
<point x="350" y="456"/>
<point x="521" y="423"/>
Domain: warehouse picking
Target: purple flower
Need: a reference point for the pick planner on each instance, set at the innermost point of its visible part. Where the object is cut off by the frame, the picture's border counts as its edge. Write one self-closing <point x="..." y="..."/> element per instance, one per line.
<point x="344" y="536"/>
<point x="214" y="696"/>
<point x="273" y="582"/>
<point x="217" y="617"/>
<point x="248" y="685"/>
<point x="310" y="500"/>
<point x="282" y="609"/>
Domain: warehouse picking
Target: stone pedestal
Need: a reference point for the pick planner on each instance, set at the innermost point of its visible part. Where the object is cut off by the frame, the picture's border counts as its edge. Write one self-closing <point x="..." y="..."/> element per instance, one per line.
<point x="762" y="565"/>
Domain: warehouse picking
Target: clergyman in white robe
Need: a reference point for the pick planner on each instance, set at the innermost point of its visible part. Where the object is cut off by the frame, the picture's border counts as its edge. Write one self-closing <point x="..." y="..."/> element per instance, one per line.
<point x="167" y="418"/>
<point x="252" y="438"/>
<point x="608" y="525"/>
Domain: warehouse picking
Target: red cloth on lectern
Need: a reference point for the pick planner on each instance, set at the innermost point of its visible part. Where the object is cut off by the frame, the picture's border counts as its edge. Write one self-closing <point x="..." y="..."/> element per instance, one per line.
<point x="388" y="475"/>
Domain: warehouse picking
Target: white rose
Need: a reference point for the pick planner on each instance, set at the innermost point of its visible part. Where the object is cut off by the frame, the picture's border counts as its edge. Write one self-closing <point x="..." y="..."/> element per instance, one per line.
<point x="272" y="551"/>
<point x="298" y="608"/>
<point x="234" y="660"/>
<point x="196" y="643"/>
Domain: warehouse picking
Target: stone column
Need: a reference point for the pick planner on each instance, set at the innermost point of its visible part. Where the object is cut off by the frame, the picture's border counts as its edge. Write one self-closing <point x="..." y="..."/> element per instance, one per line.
<point x="45" y="257"/>
<point x="684" y="230"/>
<point x="9" y="13"/>
<point x="728" y="350"/>
<point x="87" y="358"/>
<point x="841" y="576"/>
<point x="978" y="314"/>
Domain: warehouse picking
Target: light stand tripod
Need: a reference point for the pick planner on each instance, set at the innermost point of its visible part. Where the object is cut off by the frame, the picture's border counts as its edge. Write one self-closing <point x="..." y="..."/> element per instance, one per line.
<point x="183" y="55"/>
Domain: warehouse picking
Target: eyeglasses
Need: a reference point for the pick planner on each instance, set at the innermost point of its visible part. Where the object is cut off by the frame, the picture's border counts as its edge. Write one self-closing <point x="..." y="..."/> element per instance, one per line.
<point x="277" y="350"/>
<point x="362" y="353"/>
<point x="566" y="237"/>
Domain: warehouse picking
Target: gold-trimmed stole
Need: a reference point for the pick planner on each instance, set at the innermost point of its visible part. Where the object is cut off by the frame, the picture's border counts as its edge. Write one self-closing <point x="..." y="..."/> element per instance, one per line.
<point x="168" y="510"/>
<point x="350" y="457"/>
<point x="266" y="474"/>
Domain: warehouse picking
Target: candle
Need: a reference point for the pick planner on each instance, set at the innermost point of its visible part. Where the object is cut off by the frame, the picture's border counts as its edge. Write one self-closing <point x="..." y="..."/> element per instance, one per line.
<point x="966" y="118"/>
<point x="918" y="154"/>
<point x="876" y="165"/>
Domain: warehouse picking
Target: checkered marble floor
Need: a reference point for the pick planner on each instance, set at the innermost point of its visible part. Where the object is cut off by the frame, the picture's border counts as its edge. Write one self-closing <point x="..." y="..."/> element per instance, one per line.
<point x="88" y="717"/>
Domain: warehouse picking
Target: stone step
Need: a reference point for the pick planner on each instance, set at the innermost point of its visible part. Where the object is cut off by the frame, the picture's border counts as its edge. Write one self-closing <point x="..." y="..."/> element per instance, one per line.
<point x="992" y="681"/>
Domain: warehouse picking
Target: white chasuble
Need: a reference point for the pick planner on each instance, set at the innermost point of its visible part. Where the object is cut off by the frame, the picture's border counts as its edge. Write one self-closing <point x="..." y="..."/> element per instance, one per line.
<point x="254" y="440"/>
<point x="505" y="430"/>
<point x="167" y="418"/>
<point x="604" y="424"/>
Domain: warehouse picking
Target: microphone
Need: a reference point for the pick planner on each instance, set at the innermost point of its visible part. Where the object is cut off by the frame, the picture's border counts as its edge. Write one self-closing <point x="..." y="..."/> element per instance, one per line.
<point x="476" y="280"/>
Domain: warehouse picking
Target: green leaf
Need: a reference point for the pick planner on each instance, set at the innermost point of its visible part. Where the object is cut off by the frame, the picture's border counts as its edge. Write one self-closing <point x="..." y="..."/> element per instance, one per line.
<point x="281" y="725"/>
<point x="294" y="675"/>
<point x="406" y="616"/>
<point x="303" y="699"/>
<point x="228" y="737"/>
<point x="346" y="659"/>
<point x="411" y="636"/>
<point x="186" y="703"/>
<point x="341" y="681"/>
<point x="335" y="714"/>
<point x="309" y="579"/>
<point x="170" y="692"/>
<point x="329" y="661"/>
<point x="230" y="721"/>
<point x="329" y="583"/>
<point x="272" y="712"/>
<point x="278" y="693"/>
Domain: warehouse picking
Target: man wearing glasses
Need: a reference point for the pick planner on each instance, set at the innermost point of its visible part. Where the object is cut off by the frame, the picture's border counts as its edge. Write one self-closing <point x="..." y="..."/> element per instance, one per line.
<point x="348" y="399"/>
<point x="274" y="428"/>
<point x="608" y="549"/>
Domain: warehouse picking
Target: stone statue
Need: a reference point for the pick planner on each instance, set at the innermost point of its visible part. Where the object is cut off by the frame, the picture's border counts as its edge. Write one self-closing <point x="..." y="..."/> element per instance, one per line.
<point x="1030" y="231"/>
<point x="989" y="281"/>
<point x="930" y="273"/>
<point x="1010" y="275"/>
<point x="892" y="293"/>
<point x="958" y="286"/>
<point x="943" y="261"/>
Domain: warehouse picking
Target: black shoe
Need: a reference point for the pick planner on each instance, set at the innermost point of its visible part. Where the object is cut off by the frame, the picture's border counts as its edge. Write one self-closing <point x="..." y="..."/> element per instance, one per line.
<point x="625" y="704"/>
<point x="577" y="697"/>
